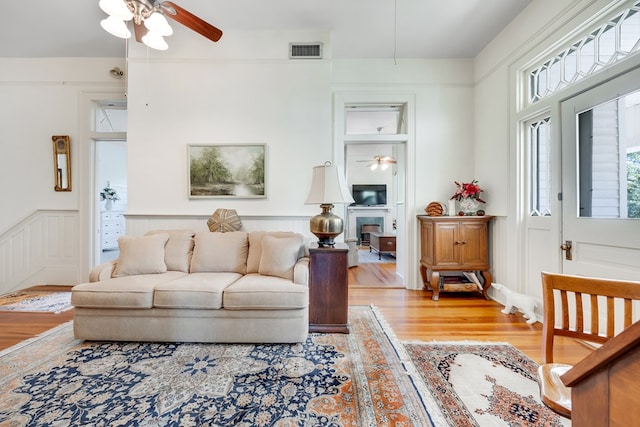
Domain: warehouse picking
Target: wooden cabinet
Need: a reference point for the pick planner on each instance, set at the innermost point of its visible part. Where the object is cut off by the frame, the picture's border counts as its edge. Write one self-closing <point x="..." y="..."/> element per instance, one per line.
<point x="454" y="244"/>
<point x="111" y="227"/>
<point x="328" y="289"/>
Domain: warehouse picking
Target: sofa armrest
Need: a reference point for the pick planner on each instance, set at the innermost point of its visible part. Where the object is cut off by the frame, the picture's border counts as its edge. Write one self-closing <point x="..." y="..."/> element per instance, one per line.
<point x="301" y="272"/>
<point x="102" y="271"/>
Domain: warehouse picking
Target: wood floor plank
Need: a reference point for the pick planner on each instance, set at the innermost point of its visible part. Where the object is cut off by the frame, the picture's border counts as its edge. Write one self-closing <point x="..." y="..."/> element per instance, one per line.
<point x="411" y="313"/>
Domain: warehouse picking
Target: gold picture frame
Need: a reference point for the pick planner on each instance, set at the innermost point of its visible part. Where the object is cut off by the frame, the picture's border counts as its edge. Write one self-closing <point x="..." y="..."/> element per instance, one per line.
<point x="62" y="162"/>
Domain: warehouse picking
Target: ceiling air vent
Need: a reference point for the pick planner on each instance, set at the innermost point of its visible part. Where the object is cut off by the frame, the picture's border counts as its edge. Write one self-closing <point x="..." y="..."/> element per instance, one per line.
<point x="305" y="50"/>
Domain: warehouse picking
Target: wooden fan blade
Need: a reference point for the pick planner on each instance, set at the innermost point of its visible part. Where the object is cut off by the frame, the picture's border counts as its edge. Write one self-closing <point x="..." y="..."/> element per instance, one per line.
<point x="139" y="30"/>
<point x="191" y="21"/>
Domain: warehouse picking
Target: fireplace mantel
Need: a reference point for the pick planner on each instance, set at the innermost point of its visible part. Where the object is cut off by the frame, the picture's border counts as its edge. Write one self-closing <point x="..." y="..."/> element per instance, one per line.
<point x="353" y="212"/>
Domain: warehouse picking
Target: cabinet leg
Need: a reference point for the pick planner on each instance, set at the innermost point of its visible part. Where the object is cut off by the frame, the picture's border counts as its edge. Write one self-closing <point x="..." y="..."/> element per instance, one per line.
<point x="487" y="284"/>
<point x="435" y="285"/>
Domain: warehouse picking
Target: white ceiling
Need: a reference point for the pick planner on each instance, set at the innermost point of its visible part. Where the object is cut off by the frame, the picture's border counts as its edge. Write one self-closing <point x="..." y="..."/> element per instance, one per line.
<point x="359" y="28"/>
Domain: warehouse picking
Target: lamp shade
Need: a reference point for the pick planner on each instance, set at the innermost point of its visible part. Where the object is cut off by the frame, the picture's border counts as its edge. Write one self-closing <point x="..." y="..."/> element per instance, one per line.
<point x="116" y="27"/>
<point x="328" y="186"/>
<point x="158" y="23"/>
<point x="154" y="40"/>
<point x="117" y="8"/>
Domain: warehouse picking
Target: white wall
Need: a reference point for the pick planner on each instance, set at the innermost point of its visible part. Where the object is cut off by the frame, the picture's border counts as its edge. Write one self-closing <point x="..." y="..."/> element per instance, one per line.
<point x="41" y="99"/>
<point x="245" y="90"/>
<point x="528" y="247"/>
<point x="174" y="102"/>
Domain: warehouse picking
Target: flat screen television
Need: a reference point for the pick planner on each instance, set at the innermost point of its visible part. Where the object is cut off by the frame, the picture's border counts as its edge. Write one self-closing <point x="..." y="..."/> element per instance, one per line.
<point x="369" y="194"/>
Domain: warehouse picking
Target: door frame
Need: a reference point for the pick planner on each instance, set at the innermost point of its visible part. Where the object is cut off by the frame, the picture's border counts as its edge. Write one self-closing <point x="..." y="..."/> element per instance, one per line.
<point x="406" y="245"/>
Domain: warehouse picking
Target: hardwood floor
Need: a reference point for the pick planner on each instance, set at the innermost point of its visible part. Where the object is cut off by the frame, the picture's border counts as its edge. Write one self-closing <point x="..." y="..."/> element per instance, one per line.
<point x="374" y="275"/>
<point x="411" y="314"/>
<point x="19" y="326"/>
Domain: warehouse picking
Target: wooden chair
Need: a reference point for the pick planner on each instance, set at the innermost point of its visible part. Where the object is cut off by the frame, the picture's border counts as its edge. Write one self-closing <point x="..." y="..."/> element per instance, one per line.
<point x="579" y="322"/>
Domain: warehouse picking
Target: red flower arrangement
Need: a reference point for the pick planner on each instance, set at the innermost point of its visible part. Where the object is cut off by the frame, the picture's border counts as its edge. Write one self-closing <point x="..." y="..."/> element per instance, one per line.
<point x="468" y="190"/>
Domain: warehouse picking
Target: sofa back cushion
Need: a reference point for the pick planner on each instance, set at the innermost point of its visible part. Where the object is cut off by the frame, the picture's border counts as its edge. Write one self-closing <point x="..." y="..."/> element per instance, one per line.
<point x="179" y="249"/>
<point x="214" y="252"/>
<point x="255" y="247"/>
<point x="279" y="256"/>
<point x="141" y="255"/>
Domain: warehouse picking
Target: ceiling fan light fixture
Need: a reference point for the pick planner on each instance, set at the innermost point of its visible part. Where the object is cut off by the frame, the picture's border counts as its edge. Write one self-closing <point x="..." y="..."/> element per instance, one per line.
<point x="117" y="8"/>
<point x="155" y="41"/>
<point x="116" y="27"/>
<point x="374" y="166"/>
<point x="158" y="23"/>
<point x="384" y="166"/>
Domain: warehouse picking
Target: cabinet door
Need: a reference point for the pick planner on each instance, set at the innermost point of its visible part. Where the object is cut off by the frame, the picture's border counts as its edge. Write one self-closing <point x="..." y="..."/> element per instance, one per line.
<point x="473" y="244"/>
<point x="446" y="251"/>
<point x="426" y="242"/>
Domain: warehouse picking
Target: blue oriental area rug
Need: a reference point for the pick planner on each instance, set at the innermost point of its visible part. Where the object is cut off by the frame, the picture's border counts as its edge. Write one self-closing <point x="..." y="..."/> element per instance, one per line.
<point x="351" y="379"/>
<point x="365" y="378"/>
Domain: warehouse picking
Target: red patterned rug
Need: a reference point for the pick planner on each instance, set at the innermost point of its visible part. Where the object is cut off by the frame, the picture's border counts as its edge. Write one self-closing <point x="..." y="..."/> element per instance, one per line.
<point x="480" y="384"/>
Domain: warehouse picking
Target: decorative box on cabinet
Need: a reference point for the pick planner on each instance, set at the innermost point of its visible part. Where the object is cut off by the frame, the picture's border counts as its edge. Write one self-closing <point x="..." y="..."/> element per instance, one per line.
<point x="328" y="289"/>
<point x="454" y="244"/>
<point x="111" y="227"/>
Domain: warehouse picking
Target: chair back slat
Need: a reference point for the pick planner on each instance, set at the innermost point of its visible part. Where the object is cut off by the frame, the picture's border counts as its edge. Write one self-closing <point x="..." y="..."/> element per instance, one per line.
<point x="579" y="313"/>
<point x="573" y="317"/>
<point x="628" y="312"/>
<point x="611" y="317"/>
<point x="565" y="309"/>
<point x="595" y="325"/>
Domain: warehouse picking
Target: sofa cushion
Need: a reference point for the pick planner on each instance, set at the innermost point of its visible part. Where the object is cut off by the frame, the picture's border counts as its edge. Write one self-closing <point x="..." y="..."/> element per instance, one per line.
<point x="254" y="291"/>
<point x="279" y="256"/>
<point x="255" y="247"/>
<point x="141" y="255"/>
<point x="179" y="249"/>
<point x="121" y="292"/>
<point x="195" y="291"/>
<point x="220" y="252"/>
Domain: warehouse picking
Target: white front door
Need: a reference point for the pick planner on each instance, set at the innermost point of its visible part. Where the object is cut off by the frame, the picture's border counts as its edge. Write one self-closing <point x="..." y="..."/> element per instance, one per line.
<point x="601" y="180"/>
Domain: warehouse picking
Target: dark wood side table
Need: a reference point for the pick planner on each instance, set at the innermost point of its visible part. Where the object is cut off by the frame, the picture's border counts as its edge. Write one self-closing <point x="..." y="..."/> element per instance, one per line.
<point x="328" y="289"/>
<point x="383" y="244"/>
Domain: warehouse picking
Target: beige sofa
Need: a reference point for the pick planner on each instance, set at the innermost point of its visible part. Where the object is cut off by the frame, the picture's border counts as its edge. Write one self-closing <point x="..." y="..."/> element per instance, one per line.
<point x="180" y="286"/>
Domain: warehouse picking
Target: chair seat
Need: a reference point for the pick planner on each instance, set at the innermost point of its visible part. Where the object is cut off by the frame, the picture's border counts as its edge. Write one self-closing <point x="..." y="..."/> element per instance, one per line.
<point x="553" y="392"/>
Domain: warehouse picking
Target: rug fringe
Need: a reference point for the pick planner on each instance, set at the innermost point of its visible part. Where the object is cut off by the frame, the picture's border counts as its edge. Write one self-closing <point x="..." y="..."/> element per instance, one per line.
<point x="410" y="369"/>
<point x="460" y="342"/>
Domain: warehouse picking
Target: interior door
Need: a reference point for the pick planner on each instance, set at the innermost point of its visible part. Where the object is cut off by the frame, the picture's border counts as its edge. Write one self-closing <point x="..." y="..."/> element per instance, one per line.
<point x="601" y="180"/>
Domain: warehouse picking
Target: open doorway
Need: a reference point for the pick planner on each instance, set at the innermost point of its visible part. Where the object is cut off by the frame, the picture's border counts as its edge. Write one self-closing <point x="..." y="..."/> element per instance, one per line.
<point x="111" y="178"/>
<point x="110" y="193"/>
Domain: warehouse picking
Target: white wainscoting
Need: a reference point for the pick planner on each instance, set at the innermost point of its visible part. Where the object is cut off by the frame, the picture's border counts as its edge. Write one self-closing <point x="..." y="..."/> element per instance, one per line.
<point x="44" y="247"/>
<point x="40" y="250"/>
<point x="498" y="254"/>
<point x="139" y="224"/>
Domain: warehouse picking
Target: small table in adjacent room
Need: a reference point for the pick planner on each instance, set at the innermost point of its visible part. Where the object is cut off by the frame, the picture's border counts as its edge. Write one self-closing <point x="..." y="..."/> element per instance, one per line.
<point x="383" y="244"/>
<point x="328" y="289"/>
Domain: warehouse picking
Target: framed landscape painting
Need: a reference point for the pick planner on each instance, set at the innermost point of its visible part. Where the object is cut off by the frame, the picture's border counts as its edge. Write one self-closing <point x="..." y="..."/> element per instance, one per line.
<point x="227" y="170"/>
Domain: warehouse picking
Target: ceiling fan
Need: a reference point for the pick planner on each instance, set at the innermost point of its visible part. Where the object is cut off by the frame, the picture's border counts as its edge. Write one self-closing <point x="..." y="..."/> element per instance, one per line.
<point x="149" y="22"/>
<point x="379" y="161"/>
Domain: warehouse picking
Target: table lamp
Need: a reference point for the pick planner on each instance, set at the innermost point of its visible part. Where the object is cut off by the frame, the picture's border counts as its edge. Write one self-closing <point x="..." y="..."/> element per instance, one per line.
<point x="327" y="187"/>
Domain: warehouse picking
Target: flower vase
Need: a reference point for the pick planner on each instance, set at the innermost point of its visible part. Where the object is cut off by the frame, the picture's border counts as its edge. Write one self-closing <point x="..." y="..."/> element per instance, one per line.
<point x="108" y="205"/>
<point x="469" y="206"/>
